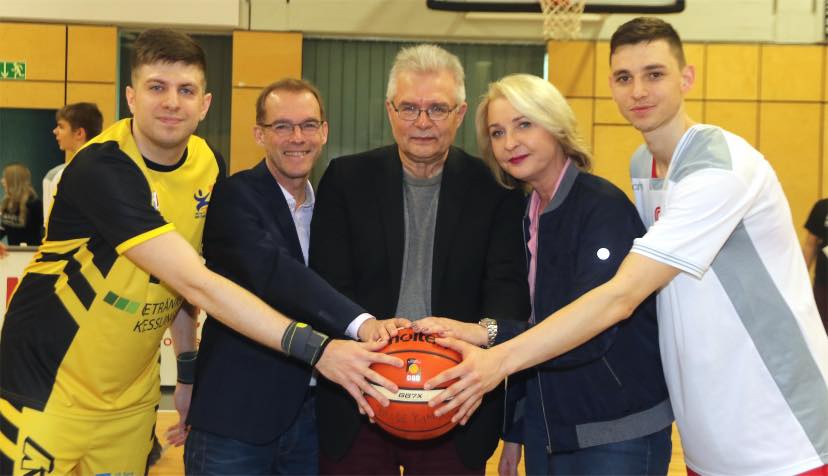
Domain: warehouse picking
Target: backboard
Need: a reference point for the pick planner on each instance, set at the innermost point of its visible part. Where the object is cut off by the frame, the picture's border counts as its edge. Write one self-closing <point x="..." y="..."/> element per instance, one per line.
<point x="592" y="6"/>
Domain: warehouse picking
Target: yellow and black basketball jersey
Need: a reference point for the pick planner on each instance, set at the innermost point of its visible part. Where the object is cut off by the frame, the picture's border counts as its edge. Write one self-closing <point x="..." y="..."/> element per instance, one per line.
<point x="83" y="327"/>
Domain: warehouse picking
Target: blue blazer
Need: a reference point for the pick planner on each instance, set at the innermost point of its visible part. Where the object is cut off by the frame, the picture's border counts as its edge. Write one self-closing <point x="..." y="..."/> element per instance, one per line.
<point x="244" y="390"/>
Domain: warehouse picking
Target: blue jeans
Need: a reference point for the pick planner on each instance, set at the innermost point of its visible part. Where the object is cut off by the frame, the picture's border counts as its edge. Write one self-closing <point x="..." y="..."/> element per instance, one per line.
<point x="295" y="452"/>
<point x="648" y="455"/>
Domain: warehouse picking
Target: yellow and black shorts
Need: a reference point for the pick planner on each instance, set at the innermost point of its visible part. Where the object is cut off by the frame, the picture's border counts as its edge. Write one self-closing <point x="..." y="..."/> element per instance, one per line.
<point x="34" y="442"/>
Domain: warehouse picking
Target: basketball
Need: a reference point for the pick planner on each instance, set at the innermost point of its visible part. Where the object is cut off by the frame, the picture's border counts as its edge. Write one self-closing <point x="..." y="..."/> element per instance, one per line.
<point x="408" y="416"/>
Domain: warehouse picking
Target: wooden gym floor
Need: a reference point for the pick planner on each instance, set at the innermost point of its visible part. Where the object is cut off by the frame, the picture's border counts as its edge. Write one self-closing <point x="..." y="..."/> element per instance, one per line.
<point x="171" y="462"/>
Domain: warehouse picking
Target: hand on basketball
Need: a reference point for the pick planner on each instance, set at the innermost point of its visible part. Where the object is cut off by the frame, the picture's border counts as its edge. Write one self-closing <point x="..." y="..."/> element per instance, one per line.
<point x="470" y="332"/>
<point x="347" y="363"/>
<point x="480" y="372"/>
<point x="177" y="434"/>
<point x="509" y="459"/>
<point x="375" y="329"/>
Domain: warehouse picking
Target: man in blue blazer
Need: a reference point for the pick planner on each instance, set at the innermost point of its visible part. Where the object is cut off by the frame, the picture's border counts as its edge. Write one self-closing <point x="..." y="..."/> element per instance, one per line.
<point x="252" y="410"/>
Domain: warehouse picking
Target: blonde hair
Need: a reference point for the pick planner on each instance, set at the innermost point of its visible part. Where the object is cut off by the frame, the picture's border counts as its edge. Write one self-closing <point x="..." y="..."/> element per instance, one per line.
<point x="19" y="190"/>
<point x="541" y="103"/>
<point x="426" y="58"/>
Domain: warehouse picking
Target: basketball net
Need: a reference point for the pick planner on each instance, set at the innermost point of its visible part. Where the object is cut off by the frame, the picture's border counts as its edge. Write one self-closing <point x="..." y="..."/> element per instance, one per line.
<point x="562" y="18"/>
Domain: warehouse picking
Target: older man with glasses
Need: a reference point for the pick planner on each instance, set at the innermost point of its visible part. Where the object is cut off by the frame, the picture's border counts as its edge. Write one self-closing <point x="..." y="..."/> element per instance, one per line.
<point x="415" y="229"/>
<point x="252" y="410"/>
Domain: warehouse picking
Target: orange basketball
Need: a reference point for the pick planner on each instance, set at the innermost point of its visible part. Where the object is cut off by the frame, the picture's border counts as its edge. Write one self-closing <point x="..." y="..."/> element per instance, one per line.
<point x="409" y="416"/>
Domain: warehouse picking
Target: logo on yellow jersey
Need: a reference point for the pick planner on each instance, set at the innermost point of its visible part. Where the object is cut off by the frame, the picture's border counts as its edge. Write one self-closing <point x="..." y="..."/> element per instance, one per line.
<point x="202" y="201"/>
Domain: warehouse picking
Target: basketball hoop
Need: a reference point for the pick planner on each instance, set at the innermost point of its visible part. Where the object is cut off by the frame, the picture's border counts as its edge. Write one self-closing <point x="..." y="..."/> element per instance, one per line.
<point x="562" y="18"/>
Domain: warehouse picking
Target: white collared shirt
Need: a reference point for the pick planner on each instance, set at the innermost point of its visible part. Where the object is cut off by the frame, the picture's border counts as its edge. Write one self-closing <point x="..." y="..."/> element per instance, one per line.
<point x="301" y="220"/>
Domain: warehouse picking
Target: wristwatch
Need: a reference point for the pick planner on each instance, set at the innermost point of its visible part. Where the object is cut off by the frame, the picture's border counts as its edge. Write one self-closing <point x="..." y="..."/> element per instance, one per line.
<point x="491" y="330"/>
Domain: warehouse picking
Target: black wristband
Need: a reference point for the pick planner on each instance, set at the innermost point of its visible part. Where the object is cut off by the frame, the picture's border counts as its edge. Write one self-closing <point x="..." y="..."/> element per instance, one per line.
<point x="302" y="342"/>
<point x="186" y="363"/>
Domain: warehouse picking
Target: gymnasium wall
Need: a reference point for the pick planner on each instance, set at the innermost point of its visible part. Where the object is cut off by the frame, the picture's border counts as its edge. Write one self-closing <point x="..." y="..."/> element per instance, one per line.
<point x="64" y="64"/>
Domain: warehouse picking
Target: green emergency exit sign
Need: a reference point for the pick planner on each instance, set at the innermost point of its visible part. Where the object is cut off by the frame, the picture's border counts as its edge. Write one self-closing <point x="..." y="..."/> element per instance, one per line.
<point x="12" y="70"/>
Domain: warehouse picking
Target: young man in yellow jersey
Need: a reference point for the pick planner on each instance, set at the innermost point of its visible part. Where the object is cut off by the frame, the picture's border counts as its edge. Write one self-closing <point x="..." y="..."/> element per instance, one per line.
<point x="79" y="377"/>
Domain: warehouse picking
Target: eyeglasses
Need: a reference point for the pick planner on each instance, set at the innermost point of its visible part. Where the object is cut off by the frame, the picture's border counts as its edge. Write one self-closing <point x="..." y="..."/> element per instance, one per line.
<point x="286" y="128"/>
<point x="435" y="112"/>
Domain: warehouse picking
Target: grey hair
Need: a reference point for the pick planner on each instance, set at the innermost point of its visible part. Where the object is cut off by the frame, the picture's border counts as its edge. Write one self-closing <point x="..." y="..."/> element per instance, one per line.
<point x="426" y="58"/>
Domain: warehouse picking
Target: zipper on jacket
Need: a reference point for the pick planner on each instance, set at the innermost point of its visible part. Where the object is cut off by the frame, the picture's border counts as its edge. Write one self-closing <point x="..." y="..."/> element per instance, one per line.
<point x="543" y="410"/>
<point x="505" y="406"/>
<point x="617" y="380"/>
<point x="537" y="372"/>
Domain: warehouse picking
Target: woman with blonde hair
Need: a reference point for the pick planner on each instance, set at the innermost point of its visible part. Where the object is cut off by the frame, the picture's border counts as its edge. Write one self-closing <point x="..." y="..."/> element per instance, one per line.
<point x="21" y="214"/>
<point x="601" y="408"/>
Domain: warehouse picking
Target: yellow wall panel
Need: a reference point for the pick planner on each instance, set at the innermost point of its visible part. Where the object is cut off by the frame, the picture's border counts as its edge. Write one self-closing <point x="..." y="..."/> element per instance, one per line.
<point x="583" y="114"/>
<point x="789" y="137"/>
<point x="695" y="109"/>
<point x="260" y="58"/>
<point x="606" y="112"/>
<point x="42" y="47"/>
<point x="824" y="189"/>
<point x="825" y="76"/>
<point x="792" y="73"/>
<point x="571" y="67"/>
<point x="740" y="118"/>
<point x="614" y="146"/>
<point x="92" y="53"/>
<point x="732" y="71"/>
<point x="695" y="53"/>
<point x="31" y="94"/>
<point x="602" y="70"/>
<point x="101" y="94"/>
<point x="244" y="152"/>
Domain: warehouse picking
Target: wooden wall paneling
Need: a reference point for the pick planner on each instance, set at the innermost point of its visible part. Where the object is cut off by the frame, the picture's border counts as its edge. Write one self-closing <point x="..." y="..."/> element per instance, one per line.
<point x="602" y="70"/>
<point x="572" y="67"/>
<point x="614" y="145"/>
<point x="732" y="71"/>
<point x="695" y="109"/>
<point x="789" y="137"/>
<point x="583" y="109"/>
<point x="42" y="47"/>
<point x="606" y="112"/>
<point x="32" y="94"/>
<point x="244" y="150"/>
<point x="102" y="94"/>
<point x="791" y="73"/>
<point x="92" y="53"/>
<point x="739" y="117"/>
<point x="824" y="164"/>
<point x="696" y="54"/>
<point x="259" y="58"/>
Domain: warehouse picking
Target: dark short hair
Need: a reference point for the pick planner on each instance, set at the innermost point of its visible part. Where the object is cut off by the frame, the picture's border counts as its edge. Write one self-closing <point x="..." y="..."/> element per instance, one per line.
<point x="84" y="115"/>
<point x="167" y="46"/>
<point x="287" y="84"/>
<point x="648" y="29"/>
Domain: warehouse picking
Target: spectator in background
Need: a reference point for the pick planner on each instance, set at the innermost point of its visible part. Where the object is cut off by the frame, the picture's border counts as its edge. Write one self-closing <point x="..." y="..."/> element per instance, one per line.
<point x="20" y="212"/>
<point x="76" y="124"/>
<point x="815" y="251"/>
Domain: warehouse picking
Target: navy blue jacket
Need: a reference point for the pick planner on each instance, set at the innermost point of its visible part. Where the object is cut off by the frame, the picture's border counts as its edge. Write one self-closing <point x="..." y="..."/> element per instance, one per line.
<point x="244" y="390"/>
<point x="612" y="387"/>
